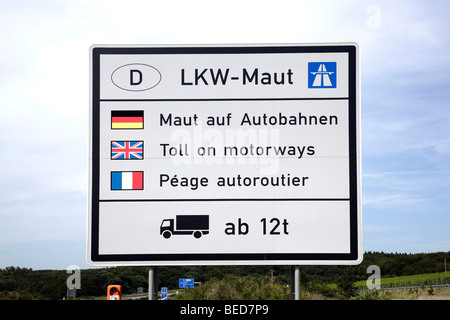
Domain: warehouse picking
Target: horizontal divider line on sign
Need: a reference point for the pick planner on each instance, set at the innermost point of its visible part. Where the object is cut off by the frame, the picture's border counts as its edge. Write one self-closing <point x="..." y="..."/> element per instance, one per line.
<point x="223" y="99"/>
<point x="244" y="199"/>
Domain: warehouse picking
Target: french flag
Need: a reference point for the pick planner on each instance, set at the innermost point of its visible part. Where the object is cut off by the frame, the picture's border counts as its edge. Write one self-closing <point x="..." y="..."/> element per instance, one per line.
<point x="127" y="180"/>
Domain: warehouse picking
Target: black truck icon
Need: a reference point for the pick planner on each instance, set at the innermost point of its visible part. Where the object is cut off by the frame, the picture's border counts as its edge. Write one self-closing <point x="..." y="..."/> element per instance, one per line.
<point x="196" y="225"/>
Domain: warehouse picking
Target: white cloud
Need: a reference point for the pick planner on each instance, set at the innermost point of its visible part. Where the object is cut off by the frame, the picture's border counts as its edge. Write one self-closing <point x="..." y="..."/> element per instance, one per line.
<point x="392" y="201"/>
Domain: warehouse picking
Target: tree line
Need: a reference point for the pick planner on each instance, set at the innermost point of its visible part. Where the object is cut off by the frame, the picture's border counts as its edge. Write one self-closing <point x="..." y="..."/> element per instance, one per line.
<point x="25" y="283"/>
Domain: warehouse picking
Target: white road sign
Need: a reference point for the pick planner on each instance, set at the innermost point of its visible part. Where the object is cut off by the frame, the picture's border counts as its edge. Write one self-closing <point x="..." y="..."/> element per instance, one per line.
<point x="244" y="154"/>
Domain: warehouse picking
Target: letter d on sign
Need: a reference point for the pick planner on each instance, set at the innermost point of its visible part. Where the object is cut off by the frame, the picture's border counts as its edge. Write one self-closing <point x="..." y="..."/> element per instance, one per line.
<point x="74" y="281"/>
<point x="373" y="282"/>
<point x="136" y="77"/>
<point x="133" y="75"/>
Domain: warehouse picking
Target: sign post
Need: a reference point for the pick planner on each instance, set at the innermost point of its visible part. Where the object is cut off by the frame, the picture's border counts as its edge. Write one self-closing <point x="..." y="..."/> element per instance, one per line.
<point x="215" y="155"/>
<point x="153" y="283"/>
<point x="295" y="282"/>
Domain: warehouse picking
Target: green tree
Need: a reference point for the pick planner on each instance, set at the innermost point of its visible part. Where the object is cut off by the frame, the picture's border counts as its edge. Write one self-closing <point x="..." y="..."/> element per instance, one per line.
<point x="346" y="284"/>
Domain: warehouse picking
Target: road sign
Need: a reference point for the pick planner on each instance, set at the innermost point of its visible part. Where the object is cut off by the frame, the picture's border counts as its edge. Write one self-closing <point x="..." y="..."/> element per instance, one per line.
<point x="186" y="283"/>
<point x="246" y="154"/>
<point x="163" y="293"/>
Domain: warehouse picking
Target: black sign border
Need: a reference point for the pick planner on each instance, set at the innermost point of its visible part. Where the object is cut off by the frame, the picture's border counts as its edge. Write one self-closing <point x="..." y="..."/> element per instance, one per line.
<point x="226" y="258"/>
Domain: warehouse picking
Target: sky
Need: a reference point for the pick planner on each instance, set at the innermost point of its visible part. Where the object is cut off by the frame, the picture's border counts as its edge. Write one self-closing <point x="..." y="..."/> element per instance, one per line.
<point x="44" y="104"/>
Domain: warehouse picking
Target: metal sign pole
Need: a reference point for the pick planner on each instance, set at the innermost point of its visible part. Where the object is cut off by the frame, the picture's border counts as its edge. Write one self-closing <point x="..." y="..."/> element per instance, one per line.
<point x="295" y="282"/>
<point x="153" y="283"/>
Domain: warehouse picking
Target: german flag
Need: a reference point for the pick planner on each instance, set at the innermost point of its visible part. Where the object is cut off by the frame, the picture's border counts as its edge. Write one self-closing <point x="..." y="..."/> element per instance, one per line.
<point x="128" y="119"/>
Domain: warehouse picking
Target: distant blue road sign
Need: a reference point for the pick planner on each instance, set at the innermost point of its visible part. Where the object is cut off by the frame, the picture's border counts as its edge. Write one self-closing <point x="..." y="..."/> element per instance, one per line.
<point x="163" y="293"/>
<point x="186" y="283"/>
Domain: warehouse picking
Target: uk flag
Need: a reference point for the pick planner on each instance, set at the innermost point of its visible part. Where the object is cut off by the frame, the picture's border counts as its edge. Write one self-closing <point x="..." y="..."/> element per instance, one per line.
<point x="127" y="150"/>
